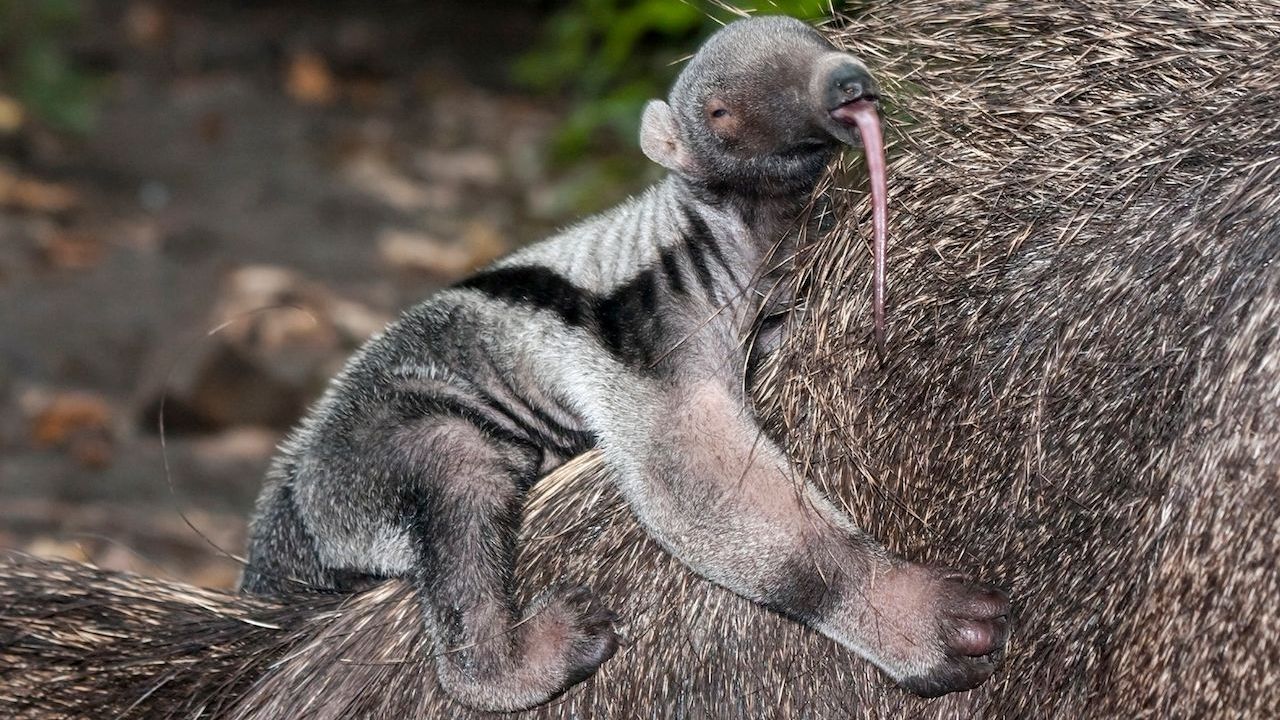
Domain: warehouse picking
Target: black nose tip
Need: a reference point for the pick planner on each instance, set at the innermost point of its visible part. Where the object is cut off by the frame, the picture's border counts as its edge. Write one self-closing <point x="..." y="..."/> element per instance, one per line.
<point x="850" y="82"/>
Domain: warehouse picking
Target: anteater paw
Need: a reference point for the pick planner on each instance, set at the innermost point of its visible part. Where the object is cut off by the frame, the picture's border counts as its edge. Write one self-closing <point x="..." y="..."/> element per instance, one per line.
<point x="575" y="632"/>
<point x="973" y="626"/>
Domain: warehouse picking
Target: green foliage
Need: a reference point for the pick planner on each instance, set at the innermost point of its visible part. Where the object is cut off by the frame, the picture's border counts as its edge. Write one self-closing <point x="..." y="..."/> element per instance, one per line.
<point x="609" y="56"/>
<point x="37" y="70"/>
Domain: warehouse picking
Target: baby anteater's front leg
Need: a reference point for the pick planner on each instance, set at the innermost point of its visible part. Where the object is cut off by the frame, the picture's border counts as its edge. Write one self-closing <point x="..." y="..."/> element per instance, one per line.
<point x="463" y="514"/>
<point x="698" y="472"/>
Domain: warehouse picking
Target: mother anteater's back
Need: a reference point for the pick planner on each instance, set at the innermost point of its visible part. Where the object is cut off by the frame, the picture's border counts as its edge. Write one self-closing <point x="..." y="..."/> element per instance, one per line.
<point x="1081" y="395"/>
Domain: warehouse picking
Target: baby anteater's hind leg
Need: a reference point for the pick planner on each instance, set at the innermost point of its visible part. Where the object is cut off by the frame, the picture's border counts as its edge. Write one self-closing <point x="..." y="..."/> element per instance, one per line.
<point x="464" y="515"/>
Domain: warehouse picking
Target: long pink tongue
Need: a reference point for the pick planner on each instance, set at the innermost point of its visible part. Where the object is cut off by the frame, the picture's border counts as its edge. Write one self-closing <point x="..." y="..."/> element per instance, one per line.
<point x="863" y="114"/>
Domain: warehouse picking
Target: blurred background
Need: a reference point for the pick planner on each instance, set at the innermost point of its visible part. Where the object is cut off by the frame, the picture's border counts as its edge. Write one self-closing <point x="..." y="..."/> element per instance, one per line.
<point x="206" y="206"/>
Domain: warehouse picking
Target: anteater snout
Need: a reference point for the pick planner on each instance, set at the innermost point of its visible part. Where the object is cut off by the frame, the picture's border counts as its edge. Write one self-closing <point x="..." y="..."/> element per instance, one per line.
<point x="846" y="82"/>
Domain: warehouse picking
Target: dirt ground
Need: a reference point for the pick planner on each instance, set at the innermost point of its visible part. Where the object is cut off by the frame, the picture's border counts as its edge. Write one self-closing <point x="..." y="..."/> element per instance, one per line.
<point x="335" y="164"/>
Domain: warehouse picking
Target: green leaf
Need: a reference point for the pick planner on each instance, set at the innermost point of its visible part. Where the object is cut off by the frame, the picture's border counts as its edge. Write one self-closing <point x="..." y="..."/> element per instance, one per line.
<point x="41" y="74"/>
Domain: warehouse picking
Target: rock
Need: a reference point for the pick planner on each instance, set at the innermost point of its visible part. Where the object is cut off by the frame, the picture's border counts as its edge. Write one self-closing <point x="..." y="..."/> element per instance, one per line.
<point x="278" y="338"/>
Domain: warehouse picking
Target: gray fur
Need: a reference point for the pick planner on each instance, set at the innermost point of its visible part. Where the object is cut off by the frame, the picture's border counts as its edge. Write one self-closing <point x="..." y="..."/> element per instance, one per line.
<point x="628" y="332"/>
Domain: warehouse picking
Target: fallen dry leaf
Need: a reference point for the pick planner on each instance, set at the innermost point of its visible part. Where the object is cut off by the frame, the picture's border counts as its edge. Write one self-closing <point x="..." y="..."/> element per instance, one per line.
<point x="379" y="179"/>
<point x="485" y="242"/>
<point x="475" y="166"/>
<point x="31" y="195"/>
<point x="71" y="250"/>
<point x="11" y="115"/>
<point x="77" y="422"/>
<point x="416" y="252"/>
<point x="56" y="419"/>
<point x="146" y="23"/>
<point x="309" y="80"/>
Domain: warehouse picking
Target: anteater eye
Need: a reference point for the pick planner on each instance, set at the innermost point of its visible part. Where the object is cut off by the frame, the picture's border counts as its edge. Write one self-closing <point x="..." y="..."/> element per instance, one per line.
<point x="719" y="112"/>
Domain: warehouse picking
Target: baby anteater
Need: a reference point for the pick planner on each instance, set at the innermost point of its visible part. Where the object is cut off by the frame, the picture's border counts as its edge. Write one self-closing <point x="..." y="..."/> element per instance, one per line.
<point x="624" y="333"/>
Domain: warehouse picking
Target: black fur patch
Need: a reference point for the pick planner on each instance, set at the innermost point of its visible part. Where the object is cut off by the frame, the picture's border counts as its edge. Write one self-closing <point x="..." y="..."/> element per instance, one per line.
<point x="671" y="270"/>
<point x="700" y="236"/>
<point x="694" y="247"/>
<point x="536" y="287"/>
<point x="626" y="321"/>
<point x="802" y="593"/>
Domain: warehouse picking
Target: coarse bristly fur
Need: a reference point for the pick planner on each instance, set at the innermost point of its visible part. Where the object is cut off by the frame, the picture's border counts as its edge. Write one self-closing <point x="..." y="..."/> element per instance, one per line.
<point x="1080" y="398"/>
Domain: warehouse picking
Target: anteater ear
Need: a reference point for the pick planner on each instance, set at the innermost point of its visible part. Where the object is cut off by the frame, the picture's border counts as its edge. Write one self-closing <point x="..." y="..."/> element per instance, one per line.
<point x="660" y="140"/>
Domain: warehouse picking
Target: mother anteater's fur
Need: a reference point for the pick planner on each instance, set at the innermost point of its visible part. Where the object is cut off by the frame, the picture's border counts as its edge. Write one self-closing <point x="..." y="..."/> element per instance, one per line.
<point x="1082" y="397"/>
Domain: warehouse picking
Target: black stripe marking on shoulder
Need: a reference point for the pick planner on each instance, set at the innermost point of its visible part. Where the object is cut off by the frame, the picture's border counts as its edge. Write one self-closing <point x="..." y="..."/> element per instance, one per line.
<point x="536" y="287"/>
<point x="627" y="320"/>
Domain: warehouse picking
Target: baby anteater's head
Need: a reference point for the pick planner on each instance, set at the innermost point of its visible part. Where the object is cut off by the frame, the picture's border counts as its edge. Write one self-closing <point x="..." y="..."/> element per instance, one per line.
<point x="757" y="110"/>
